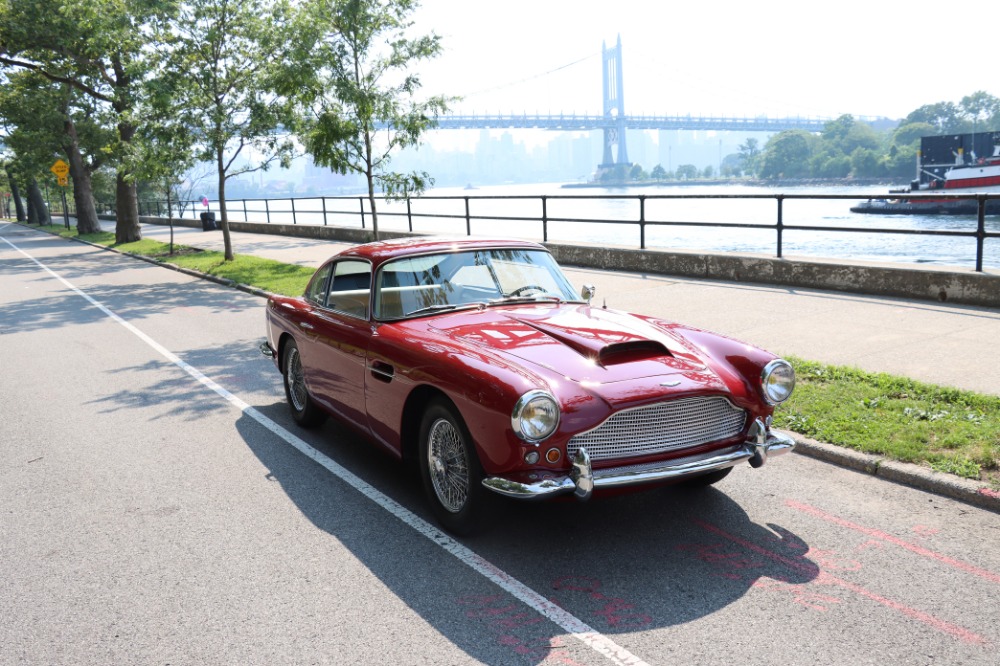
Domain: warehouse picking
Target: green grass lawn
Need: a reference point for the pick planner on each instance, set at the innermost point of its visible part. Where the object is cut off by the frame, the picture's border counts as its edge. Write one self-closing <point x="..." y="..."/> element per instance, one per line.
<point x="266" y="274"/>
<point x="946" y="429"/>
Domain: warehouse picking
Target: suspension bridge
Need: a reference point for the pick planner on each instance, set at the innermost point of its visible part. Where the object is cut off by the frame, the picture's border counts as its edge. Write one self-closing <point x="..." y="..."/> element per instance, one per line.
<point x="615" y="122"/>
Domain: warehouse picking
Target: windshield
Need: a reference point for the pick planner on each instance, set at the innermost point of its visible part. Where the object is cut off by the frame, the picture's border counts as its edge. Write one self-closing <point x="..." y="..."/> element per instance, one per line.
<point x="416" y="285"/>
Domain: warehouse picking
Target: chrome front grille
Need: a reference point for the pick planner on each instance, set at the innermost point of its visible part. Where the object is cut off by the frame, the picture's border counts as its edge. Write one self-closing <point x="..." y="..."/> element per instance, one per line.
<point x="659" y="428"/>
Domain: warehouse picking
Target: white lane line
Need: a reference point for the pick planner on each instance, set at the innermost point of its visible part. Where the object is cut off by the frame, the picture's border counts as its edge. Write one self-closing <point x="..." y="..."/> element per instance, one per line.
<point x="569" y="622"/>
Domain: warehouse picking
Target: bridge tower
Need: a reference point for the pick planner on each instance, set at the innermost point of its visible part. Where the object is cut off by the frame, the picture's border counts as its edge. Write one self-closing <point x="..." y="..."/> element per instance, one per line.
<point x="614" y="105"/>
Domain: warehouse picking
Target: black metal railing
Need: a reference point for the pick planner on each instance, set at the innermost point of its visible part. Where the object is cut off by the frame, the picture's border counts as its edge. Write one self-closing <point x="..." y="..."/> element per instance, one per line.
<point x="354" y="210"/>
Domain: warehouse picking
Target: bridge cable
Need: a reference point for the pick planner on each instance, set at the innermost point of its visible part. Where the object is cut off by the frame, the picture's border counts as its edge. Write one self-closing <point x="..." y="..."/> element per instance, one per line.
<point x="530" y="78"/>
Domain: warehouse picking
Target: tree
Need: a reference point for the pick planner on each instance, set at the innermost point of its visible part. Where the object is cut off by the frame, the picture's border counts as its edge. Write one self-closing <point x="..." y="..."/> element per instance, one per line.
<point x="50" y="120"/>
<point x="732" y="165"/>
<point x="943" y="116"/>
<point x="687" y="172"/>
<point x="226" y="71"/>
<point x="637" y="173"/>
<point x="980" y="108"/>
<point x="750" y="155"/>
<point x="15" y="194"/>
<point x="787" y="155"/>
<point x="658" y="173"/>
<point x="362" y="96"/>
<point x="101" y="48"/>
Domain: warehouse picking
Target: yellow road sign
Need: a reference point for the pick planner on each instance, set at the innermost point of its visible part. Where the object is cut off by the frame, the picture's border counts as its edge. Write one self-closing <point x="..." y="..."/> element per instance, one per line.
<point x="60" y="169"/>
<point x="63" y="180"/>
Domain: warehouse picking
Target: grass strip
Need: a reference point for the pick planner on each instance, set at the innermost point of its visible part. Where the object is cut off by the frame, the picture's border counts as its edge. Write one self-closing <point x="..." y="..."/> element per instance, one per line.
<point x="949" y="430"/>
<point x="267" y="274"/>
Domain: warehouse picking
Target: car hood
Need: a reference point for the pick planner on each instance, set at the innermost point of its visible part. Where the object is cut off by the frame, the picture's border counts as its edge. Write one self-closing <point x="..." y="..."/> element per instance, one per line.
<point x="581" y="343"/>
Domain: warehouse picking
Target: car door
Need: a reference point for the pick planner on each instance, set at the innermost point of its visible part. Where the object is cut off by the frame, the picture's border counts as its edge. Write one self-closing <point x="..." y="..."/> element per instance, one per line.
<point x="342" y="331"/>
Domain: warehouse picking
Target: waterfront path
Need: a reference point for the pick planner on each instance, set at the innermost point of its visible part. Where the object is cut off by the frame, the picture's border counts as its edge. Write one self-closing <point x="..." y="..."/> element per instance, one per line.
<point x="951" y="345"/>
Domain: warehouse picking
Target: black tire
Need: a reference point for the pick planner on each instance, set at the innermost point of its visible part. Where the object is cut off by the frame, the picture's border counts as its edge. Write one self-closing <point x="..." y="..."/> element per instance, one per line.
<point x="708" y="479"/>
<point x="450" y="469"/>
<point x="305" y="412"/>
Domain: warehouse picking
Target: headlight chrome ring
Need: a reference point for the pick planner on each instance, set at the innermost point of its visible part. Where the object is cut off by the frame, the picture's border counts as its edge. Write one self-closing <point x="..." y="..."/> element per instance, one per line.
<point x="777" y="381"/>
<point x="535" y="416"/>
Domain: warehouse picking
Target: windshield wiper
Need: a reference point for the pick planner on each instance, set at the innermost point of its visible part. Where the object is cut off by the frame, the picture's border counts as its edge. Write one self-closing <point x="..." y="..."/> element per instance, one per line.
<point x="526" y="299"/>
<point x="442" y="307"/>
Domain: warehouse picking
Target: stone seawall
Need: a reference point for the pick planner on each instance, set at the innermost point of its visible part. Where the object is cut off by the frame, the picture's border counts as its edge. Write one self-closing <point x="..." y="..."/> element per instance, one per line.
<point x="930" y="284"/>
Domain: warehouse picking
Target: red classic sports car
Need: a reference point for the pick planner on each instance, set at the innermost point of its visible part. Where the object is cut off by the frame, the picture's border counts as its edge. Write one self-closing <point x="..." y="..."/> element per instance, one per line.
<point x="478" y="359"/>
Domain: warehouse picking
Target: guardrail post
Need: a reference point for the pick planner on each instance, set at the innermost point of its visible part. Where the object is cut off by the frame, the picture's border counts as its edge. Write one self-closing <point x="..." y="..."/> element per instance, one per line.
<point x="267" y="209"/>
<point x="468" y="220"/>
<point x="245" y="217"/>
<point x="409" y="215"/>
<point x="361" y="202"/>
<point x="158" y="209"/>
<point x="781" y="224"/>
<point x="323" y="199"/>
<point x="545" y="219"/>
<point x="642" y="221"/>
<point x="292" y="199"/>
<point x="980" y="232"/>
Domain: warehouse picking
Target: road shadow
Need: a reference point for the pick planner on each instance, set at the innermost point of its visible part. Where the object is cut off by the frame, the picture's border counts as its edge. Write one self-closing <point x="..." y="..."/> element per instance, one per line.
<point x="132" y="302"/>
<point x="238" y="367"/>
<point x="642" y="561"/>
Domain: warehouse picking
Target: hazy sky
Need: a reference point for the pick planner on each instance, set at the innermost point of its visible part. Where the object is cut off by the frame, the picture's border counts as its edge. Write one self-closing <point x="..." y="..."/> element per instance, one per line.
<point x="874" y="58"/>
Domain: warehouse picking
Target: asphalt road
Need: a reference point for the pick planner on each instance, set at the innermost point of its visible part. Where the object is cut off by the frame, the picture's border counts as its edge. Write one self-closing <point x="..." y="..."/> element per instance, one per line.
<point x="158" y="506"/>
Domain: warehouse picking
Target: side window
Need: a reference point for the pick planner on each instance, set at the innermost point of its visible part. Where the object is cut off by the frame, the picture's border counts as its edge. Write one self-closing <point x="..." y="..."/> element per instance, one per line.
<point x="316" y="291"/>
<point x="351" y="288"/>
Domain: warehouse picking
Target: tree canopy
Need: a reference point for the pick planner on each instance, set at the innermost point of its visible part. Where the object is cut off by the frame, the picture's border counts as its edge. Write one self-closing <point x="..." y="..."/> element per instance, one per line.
<point x="361" y="101"/>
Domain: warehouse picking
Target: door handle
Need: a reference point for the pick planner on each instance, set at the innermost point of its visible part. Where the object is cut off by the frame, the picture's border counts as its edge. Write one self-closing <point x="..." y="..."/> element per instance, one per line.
<point x="306" y="326"/>
<point x="382" y="371"/>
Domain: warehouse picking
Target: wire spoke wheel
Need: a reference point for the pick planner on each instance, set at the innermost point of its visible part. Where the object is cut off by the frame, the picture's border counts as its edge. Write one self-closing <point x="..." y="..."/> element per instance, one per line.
<point x="448" y="464"/>
<point x="296" y="381"/>
<point x="300" y="403"/>
<point x="450" y="469"/>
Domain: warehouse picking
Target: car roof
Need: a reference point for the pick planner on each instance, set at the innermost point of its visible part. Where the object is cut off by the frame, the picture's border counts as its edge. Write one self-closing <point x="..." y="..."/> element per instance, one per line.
<point x="381" y="251"/>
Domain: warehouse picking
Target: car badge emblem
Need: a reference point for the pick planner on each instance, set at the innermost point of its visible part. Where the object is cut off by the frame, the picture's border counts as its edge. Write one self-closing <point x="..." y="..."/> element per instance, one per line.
<point x="671" y="384"/>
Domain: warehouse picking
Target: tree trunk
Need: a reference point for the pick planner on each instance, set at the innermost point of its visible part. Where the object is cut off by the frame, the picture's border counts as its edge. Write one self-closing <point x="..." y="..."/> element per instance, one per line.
<point x="170" y="215"/>
<point x="371" y="203"/>
<point x="371" y="183"/>
<point x="83" y="194"/>
<point x="127" y="228"/>
<point x="38" y="212"/>
<point x="223" y="216"/>
<point x="15" y="193"/>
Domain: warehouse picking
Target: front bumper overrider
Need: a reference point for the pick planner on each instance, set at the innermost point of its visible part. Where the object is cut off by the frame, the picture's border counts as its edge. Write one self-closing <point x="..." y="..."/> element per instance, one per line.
<point x="761" y="444"/>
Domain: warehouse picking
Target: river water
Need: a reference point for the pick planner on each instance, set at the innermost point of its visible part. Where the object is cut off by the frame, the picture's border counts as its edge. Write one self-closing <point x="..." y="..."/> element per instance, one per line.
<point x="493" y="216"/>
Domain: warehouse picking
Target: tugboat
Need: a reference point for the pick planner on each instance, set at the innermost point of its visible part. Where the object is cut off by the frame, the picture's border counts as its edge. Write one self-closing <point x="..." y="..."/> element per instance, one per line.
<point x="949" y="165"/>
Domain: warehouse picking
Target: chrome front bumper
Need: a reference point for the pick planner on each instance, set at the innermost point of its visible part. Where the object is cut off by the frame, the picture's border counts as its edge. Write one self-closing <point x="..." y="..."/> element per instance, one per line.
<point x="760" y="445"/>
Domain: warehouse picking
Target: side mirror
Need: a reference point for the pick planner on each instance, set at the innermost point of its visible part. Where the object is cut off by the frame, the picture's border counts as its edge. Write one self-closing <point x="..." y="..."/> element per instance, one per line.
<point x="588" y="292"/>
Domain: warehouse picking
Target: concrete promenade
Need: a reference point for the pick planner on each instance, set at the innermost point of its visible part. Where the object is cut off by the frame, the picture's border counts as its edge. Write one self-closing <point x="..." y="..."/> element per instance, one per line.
<point x="948" y="344"/>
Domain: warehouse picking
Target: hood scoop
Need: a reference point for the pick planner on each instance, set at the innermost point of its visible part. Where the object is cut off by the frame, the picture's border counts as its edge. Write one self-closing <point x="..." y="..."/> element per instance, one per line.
<point x="629" y="352"/>
<point x="607" y="347"/>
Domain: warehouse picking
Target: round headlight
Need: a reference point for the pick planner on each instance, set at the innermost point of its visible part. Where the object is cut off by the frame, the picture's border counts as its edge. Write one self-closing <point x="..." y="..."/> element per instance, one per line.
<point x="777" y="381"/>
<point x="535" y="416"/>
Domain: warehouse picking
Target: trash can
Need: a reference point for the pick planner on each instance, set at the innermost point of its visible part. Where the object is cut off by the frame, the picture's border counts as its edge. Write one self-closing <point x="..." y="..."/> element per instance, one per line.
<point x="208" y="221"/>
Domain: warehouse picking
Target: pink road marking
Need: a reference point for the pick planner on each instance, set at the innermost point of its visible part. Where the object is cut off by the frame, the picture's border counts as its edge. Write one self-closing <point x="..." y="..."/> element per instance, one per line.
<point x="827" y="579"/>
<point x="884" y="536"/>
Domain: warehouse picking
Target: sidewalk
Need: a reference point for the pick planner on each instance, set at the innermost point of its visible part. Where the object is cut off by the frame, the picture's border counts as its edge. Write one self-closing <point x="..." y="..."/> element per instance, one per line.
<point x="952" y="345"/>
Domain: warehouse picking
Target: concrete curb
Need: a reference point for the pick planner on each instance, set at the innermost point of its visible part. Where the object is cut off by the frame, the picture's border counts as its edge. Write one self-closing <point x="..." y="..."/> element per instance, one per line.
<point x="907" y="474"/>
